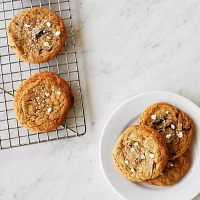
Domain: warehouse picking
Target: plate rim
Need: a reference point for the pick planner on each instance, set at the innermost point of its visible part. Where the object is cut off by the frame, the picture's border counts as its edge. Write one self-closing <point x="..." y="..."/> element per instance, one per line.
<point x="115" y="111"/>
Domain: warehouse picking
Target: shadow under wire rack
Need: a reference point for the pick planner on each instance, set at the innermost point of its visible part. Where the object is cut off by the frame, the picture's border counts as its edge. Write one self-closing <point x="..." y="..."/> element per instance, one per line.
<point x="13" y="72"/>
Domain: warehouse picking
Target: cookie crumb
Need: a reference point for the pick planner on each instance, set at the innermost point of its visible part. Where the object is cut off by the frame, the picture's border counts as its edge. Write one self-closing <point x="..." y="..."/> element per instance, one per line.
<point x="151" y="155"/>
<point x="180" y="134"/>
<point x="49" y="110"/>
<point x="161" y="173"/>
<point x="136" y="143"/>
<point x="46" y="44"/>
<point x="57" y="33"/>
<point x="47" y="94"/>
<point x="126" y="162"/>
<point x="168" y="136"/>
<point x="167" y="112"/>
<point x="133" y="163"/>
<point x="153" y="117"/>
<point x="58" y="92"/>
<point x="172" y="126"/>
<point x="132" y="170"/>
<point x="142" y="157"/>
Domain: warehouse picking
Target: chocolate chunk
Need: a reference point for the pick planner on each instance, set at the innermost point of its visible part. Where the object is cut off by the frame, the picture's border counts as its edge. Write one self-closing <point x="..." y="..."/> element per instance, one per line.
<point x="41" y="33"/>
<point x="160" y="122"/>
<point x="153" y="167"/>
<point x="169" y="126"/>
<point x="50" y="49"/>
<point x="186" y="128"/>
<point x="129" y="144"/>
<point x="40" y="51"/>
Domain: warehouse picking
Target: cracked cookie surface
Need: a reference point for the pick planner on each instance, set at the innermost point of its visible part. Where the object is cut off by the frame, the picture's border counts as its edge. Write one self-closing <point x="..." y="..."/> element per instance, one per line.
<point x="174" y="171"/>
<point x="140" y="153"/>
<point x="174" y="126"/>
<point x="36" y="34"/>
<point x="42" y="101"/>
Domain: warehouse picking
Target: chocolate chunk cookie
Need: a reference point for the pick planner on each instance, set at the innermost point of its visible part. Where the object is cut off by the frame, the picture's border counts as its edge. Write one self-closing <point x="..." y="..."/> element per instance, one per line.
<point x="140" y="153"/>
<point x="42" y="101"/>
<point x="36" y="35"/>
<point x="174" y="171"/>
<point x="174" y="126"/>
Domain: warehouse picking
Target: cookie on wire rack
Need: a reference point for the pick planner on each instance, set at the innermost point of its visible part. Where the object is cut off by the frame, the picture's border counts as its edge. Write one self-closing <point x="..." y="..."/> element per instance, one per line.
<point x="36" y="34"/>
<point x="42" y="101"/>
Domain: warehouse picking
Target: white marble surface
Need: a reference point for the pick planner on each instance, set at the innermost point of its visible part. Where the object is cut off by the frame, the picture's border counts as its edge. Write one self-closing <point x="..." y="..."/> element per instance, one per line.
<point x="124" y="48"/>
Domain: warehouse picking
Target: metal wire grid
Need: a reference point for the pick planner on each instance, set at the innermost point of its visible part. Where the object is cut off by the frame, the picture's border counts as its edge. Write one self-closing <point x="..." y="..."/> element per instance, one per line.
<point x="13" y="72"/>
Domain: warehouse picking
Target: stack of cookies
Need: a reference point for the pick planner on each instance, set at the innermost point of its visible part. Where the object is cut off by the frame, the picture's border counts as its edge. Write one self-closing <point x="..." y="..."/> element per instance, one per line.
<point x="155" y="151"/>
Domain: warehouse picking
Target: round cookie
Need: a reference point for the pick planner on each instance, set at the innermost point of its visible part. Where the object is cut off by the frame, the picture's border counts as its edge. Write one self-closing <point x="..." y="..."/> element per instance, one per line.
<point x="36" y="34"/>
<point x="140" y="153"/>
<point x="174" y="125"/>
<point x="174" y="171"/>
<point x="42" y="101"/>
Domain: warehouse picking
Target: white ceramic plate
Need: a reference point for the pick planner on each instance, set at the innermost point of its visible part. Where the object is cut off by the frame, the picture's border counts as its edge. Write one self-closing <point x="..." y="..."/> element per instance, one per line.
<point x="127" y="114"/>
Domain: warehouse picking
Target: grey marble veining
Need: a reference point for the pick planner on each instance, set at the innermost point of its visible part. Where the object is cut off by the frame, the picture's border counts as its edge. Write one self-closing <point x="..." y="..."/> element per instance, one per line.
<point x="124" y="48"/>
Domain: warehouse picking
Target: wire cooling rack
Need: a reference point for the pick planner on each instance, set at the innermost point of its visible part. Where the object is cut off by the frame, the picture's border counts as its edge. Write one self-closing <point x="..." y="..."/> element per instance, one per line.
<point x="13" y="72"/>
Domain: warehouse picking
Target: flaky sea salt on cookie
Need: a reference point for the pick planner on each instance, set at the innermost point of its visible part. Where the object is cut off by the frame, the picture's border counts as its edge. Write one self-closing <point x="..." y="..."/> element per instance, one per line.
<point x="140" y="153"/>
<point x="36" y="34"/>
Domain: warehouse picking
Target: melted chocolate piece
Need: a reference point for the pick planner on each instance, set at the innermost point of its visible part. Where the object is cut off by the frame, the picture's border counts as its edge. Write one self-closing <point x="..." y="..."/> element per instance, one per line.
<point x="41" y="33"/>
<point x="50" y="49"/>
<point x="160" y="122"/>
<point x="40" y="51"/>
<point x="129" y="145"/>
<point x="186" y="128"/>
<point x="153" y="167"/>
